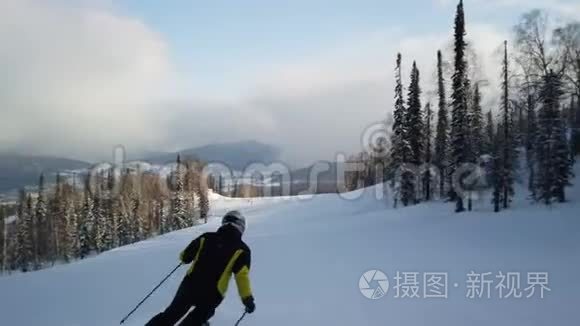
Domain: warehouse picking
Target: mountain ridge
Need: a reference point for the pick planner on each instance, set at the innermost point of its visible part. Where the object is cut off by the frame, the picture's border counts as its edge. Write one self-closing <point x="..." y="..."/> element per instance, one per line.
<point x="18" y="170"/>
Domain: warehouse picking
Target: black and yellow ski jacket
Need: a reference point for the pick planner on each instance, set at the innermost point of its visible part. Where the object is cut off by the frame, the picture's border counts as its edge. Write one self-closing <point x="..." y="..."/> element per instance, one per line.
<point x="214" y="257"/>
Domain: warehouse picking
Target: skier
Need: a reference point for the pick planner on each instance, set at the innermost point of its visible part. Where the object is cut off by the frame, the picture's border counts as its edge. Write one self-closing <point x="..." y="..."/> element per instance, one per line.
<point x="214" y="256"/>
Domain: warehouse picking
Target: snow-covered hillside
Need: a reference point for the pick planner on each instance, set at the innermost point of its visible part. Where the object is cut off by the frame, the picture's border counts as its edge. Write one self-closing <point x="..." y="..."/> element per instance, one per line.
<point x="308" y="258"/>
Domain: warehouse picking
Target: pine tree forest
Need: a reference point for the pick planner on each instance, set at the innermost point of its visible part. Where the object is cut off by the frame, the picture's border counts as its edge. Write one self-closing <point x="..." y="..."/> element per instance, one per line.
<point x="467" y="146"/>
<point x="74" y="219"/>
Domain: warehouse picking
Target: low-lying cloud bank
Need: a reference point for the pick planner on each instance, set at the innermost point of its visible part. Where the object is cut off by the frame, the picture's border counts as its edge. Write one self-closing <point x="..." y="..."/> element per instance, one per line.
<point x="78" y="80"/>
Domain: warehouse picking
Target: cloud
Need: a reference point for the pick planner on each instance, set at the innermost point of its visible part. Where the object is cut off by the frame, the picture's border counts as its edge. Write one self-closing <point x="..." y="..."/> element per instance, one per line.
<point x="320" y="105"/>
<point x="566" y="9"/>
<point x="77" y="80"/>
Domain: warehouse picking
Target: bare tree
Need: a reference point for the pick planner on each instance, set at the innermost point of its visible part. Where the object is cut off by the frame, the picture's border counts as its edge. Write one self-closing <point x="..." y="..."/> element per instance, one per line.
<point x="567" y="41"/>
<point x="534" y="43"/>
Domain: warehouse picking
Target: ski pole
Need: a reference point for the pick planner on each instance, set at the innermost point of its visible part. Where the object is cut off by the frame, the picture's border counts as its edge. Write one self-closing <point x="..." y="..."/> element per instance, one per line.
<point x="150" y="293"/>
<point x="239" y="320"/>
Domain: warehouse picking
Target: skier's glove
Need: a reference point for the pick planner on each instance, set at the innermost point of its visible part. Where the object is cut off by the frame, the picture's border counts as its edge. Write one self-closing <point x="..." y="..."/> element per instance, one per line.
<point x="250" y="305"/>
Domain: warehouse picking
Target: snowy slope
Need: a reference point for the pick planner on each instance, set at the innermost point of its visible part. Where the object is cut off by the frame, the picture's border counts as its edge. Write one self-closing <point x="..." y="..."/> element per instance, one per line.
<point x="308" y="256"/>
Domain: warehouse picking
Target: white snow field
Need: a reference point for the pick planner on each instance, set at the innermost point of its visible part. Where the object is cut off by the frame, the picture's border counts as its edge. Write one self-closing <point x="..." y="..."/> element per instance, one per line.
<point x="308" y="257"/>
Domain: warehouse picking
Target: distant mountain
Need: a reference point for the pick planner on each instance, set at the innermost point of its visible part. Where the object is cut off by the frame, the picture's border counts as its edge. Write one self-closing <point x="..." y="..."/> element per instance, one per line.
<point x="17" y="170"/>
<point x="236" y="155"/>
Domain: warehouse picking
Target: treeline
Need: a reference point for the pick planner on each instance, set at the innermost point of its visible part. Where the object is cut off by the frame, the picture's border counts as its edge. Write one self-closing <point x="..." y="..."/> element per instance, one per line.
<point x="470" y="148"/>
<point x="113" y="207"/>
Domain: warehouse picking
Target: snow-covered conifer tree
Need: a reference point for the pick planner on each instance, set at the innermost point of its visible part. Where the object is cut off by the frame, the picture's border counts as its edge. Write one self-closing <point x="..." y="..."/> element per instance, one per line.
<point x="442" y="131"/>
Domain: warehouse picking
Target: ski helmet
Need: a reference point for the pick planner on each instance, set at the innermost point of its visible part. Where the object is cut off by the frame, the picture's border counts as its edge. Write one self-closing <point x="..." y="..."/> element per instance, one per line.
<point x="235" y="219"/>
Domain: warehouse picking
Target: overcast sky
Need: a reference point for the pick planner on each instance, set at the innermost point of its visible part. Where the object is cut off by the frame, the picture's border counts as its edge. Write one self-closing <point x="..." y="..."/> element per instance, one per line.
<point x="78" y="77"/>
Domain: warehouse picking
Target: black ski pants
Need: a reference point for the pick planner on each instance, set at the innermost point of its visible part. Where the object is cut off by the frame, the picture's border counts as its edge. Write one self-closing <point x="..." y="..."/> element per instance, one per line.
<point x="185" y="298"/>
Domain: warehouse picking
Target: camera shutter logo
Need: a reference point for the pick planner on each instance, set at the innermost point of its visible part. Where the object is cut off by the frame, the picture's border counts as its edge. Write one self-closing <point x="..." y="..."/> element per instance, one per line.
<point x="374" y="284"/>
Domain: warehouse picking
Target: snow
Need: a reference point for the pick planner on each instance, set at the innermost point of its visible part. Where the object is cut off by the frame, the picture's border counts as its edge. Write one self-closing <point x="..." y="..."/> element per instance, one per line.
<point x="10" y="219"/>
<point x="308" y="255"/>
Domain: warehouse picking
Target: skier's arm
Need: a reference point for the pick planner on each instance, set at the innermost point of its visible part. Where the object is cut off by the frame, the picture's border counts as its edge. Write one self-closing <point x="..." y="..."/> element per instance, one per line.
<point x="242" y="274"/>
<point x="191" y="251"/>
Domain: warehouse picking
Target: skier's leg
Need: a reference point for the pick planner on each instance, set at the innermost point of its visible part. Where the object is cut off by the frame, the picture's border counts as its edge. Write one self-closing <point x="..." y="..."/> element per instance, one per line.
<point x="198" y="316"/>
<point x="178" y="307"/>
